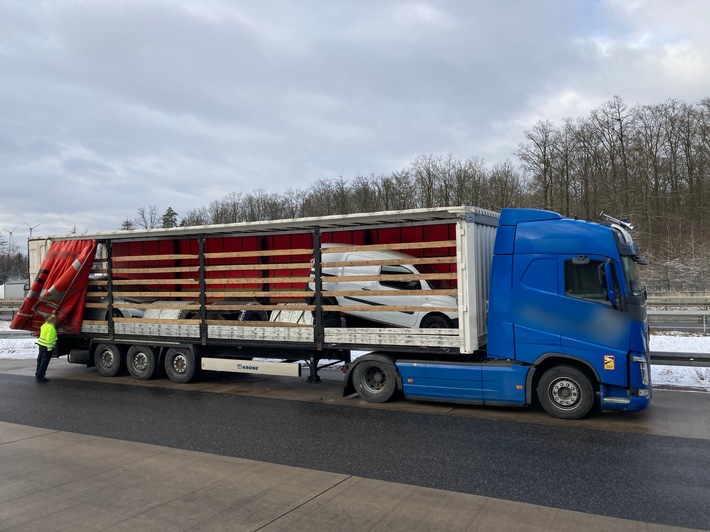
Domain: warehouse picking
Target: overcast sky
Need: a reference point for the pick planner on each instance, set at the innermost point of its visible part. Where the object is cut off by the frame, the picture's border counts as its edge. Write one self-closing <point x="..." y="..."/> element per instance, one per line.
<point x="109" y="105"/>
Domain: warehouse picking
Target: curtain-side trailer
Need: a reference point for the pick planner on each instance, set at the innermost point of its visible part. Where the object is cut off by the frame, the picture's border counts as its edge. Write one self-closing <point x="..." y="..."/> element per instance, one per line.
<point x="410" y="288"/>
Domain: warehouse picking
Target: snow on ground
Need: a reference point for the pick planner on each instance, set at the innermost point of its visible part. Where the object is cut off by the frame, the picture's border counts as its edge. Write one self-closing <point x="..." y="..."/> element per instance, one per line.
<point x="680" y="376"/>
<point x="18" y="348"/>
<point x="665" y="376"/>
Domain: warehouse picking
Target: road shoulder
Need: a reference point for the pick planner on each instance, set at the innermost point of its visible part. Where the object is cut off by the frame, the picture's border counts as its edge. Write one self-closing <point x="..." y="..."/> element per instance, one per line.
<point x="81" y="482"/>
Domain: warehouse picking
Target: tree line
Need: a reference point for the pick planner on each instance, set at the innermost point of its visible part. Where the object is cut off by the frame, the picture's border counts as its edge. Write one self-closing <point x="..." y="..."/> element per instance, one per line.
<point x="650" y="163"/>
<point x="13" y="263"/>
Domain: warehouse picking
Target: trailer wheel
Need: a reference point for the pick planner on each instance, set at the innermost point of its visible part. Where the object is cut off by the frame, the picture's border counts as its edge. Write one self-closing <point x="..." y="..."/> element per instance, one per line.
<point x="180" y="364"/>
<point x="108" y="359"/>
<point x="141" y="362"/>
<point x="565" y="392"/>
<point x="375" y="381"/>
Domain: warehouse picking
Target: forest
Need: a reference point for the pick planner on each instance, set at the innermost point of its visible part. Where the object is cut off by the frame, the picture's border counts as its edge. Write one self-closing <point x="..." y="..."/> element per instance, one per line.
<point x="647" y="163"/>
<point x="13" y="263"/>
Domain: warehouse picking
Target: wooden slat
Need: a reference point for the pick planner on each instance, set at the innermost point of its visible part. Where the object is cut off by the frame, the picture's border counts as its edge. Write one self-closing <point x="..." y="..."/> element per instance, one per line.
<point x="97" y="282"/>
<point x="95" y="294"/>
<point x="390" y="262"/>
<point x="189" y="294"/>
<point x="258" y="293"/>
<point x="257" y="280"/>
<point x="235" y="323"/>
<point x="101" y="305"/>
<point x="162" y="305"/>
<point x="386" y="308"/>
<point x="405" y="277"/>
<point x="262" y="253"/>
<point x="146" y="258"/>
<point x="94" y="322"/>
<point x="378" y="293"/>
<point x="252" y="267"/>
<point x="155" y="281"/>
<point x="283" y="306"/>
<point x="156" y="321"/>
<point x="157" y="270"/>
<point x="384" y="247"/>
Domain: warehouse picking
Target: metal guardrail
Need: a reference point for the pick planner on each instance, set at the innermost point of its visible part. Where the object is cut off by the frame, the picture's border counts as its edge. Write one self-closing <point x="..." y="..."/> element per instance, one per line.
<point x="670" y="358"/>
<point x="679" y="299"/>
<point x="694" y="320"/>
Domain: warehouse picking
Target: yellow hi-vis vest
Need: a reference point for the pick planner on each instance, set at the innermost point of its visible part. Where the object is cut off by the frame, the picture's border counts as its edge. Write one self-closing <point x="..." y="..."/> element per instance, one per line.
<point x="48" y="336"/>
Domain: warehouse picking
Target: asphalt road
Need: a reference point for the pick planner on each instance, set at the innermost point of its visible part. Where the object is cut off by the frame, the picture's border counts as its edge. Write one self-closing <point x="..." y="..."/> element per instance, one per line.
<point x="635" y="476"/>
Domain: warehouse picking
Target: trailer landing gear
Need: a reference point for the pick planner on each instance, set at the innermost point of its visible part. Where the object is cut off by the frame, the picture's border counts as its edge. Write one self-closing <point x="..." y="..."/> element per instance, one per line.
<point x="313" y="378"/>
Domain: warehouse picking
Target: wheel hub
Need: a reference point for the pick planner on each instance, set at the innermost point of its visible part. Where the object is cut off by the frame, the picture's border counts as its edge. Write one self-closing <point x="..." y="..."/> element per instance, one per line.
<point x="565" y="392"/>
<point x="107" y="358"/>
<point x="375" y="379"/>
<point x="140" y="361"/>
<point x="179" y="363"/>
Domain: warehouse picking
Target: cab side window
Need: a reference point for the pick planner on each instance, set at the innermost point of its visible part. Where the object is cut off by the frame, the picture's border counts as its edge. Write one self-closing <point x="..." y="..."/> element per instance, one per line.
<point x="399" y="284"/>
<point x="585" y="279"/>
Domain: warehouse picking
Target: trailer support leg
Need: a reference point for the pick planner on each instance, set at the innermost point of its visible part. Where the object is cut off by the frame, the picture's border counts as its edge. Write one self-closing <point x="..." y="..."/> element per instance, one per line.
<point x="313" y="378"/>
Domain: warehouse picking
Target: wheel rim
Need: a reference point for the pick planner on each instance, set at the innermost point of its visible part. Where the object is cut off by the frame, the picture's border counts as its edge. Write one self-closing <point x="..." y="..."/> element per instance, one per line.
<point x="107" y="358"/>
<point x="375" y="379"/>
<point x="140" y="361"/>
<point x="565" y="393"/>
<point x="179" y="363"/>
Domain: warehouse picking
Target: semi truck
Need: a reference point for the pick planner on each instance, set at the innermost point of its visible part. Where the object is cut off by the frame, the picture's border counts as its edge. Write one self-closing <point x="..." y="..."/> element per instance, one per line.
<point x="454" y="304"/>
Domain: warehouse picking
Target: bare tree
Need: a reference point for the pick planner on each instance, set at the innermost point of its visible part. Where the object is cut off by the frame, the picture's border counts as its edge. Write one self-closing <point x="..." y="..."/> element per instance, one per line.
<point x="147" y="218"/>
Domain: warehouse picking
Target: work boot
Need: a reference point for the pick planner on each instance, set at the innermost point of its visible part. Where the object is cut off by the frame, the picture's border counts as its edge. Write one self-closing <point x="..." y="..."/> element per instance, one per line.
<point x="42" y="379"/>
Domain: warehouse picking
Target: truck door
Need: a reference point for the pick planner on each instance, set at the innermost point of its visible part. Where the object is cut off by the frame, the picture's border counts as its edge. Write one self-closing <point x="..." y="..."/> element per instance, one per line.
<point x="597" y="329"/>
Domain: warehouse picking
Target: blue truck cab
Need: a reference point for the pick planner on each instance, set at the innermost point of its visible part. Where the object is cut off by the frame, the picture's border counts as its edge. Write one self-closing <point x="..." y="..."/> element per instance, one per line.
<point x="566" y="323"/>
<point x="567" y="305"/>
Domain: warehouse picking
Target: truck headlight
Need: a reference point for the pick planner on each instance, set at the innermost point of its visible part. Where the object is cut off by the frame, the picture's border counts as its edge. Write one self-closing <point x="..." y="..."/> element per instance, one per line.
<point x="643" y="364"/>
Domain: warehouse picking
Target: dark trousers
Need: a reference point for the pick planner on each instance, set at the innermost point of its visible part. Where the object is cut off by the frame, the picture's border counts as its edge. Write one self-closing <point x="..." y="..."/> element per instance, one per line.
<point x="42" y="362"/>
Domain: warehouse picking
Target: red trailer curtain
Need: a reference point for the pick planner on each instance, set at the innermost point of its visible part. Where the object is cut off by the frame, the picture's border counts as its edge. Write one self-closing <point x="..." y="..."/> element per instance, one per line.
<point x="60" y="288"/>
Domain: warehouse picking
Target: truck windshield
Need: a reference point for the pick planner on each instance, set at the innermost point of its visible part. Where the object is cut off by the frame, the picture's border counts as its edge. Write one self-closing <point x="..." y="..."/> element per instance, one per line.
<point x="632" y="276"/>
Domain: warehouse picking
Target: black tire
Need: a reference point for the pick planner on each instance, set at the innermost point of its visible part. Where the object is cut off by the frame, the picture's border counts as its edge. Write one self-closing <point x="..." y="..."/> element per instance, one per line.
<point x="375" y="381"/>
<point x="141" y="362"/>
<point x="180" y="364"/>
<point x="565" y="392"/>
<point x="435" y="321"/>
<point x="109" y="360"/>
<point x="116" y="314"/>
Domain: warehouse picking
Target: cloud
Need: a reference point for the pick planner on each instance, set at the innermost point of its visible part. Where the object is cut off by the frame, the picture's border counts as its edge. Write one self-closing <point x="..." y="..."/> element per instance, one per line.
<point x="107" y="106"/>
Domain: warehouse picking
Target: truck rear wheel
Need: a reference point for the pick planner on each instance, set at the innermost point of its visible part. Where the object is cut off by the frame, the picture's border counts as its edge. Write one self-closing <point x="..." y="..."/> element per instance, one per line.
<point x="140" y="360"/>
<point x="375" y="381"/>
<point x="180" y="364"/>
<point x="565" y="392"/>
<point x="108" y="359"/>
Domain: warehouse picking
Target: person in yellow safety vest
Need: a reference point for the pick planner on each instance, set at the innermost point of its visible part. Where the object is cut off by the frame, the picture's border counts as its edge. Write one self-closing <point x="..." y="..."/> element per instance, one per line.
<point x="47" y="343"/>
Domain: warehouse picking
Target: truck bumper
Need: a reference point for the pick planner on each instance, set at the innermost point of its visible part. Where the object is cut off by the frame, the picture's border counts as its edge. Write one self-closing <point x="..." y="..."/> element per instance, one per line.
<point x="614" y="399"/>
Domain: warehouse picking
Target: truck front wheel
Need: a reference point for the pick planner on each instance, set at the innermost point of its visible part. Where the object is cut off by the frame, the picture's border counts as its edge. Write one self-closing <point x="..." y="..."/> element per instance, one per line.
<point x="375" y="381"/>
<point x="180" y="364"/>
<point x="141" y="362"/>
<point x="565" y="392"/>
<point x="108" y="359"/>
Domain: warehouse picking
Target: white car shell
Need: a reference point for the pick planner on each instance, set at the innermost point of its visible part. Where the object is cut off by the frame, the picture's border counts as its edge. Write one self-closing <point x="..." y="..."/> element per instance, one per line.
<point x="401" y="290"/>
